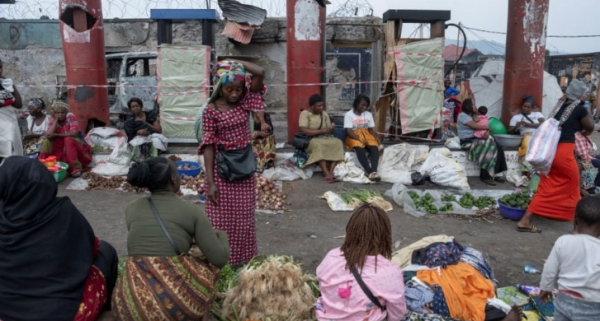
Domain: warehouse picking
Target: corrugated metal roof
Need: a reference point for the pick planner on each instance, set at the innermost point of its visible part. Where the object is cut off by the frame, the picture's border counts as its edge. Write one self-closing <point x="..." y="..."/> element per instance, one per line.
<point x="242" y="13"/>
<point x="237" y="32"/>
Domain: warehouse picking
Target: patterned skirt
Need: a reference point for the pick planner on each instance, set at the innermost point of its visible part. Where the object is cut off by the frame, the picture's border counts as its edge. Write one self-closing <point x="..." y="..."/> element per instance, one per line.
<point x="234" y="214"/>
<point x="164" y="288"/>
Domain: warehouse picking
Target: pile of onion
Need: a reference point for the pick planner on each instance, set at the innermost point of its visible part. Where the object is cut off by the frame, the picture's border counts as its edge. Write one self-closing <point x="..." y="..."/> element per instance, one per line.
<point x="193" y="183"/>
<point x="268" y="196"/>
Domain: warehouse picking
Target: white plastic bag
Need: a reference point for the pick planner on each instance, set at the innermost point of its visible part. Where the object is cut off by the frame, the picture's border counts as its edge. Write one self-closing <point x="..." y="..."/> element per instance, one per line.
<point x="453" y="143"/>
<point x="110" y="169"/>
<point x="121" y="154"/>
<point x="542" y="147"/>
<point x="395" y="193"/>
<point x="336" y="203"/>
<point x="445" y="171"/>
<point x="288" y="171"/>
<point x="349" y="172"/>
<point x="397" y="161"/>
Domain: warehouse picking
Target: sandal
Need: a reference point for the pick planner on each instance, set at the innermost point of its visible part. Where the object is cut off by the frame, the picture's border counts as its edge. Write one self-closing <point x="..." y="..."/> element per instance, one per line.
<point x="532" y="229"/>
<point x="374" y="177"/>
<point x="490" y="182"/>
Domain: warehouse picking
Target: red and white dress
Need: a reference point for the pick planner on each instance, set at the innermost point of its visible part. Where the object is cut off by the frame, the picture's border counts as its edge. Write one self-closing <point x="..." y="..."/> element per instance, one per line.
<point x="234" y="212"/>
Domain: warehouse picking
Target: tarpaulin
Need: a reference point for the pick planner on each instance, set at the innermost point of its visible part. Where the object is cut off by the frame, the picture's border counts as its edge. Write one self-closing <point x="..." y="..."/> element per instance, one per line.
<point x="183" y="86"/>
<point x="421" y="65"/>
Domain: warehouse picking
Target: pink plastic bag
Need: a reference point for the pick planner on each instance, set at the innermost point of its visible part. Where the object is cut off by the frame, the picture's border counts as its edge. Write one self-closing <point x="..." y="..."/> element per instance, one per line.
<point x="543" y="145"/>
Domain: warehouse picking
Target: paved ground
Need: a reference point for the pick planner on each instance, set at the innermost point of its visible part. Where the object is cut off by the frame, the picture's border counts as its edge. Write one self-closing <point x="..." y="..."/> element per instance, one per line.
<point x="310" y="229"/>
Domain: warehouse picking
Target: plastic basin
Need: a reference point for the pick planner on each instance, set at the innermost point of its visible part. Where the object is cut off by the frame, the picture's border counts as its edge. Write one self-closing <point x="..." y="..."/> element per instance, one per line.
<point x="188" y="172"/>
<point x="511" y="213"/>
<point x="497" y="127"/>
<point x="60" y="175"/>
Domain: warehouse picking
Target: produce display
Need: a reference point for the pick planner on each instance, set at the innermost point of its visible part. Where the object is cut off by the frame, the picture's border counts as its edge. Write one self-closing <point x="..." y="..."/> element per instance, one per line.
<point x="425" y="202"/>
<point x="519" y="199"/>
<point x="268" y="288"/>
<point x="268" y="196"/>
<point x="193" y="183"/>
<point x="174" y="158"/>
<point x="357" y="197"/>
<point x="98" y="182"/>
<point x="185" y="167"/>
<point x="447" y="208"/>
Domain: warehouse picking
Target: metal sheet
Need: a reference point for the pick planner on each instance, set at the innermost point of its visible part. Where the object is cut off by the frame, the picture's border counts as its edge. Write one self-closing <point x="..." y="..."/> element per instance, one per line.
<point x="242" y="13"/>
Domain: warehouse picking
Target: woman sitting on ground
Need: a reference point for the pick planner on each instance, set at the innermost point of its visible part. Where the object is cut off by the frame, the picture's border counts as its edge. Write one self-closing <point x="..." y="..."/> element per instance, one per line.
<point x="367" y="250"/>
<point x="159" y="282"/>
<point x="486" y="152"/>
<point x="323" y="148"/>
<point x="53" y="267"/>
<point x="65" y="141"/>
<point x="559" y="192"/>
<point x="528" y="120"/>
<point x="145" y="126"/>
<point x="359" y="124"/>
<point x="263" y="143"/>
<point x="37" y="126"/>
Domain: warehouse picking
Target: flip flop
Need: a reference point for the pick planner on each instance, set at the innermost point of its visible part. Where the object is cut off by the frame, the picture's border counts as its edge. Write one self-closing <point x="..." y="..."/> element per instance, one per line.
<point x="490" y="182"/>
<point x="532" y="229"/>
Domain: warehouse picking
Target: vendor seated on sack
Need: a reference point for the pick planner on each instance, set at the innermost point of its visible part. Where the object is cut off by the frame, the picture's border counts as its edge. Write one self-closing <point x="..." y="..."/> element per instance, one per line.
<point x="144" y="131"/>
<point x="528" y="120"/>
<point x="359" y="125"/>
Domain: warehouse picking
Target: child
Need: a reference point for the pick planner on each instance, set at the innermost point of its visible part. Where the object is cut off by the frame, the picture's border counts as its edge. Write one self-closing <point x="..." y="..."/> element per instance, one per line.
<point x="574" y="267"/>
<point x="482" y="120"/>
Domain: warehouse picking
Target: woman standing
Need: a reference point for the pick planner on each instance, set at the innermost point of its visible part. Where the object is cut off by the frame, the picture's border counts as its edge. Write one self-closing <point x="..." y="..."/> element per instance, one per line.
<point x="37" y="126"/>
<point x="263" y="143"/>
<point x="359" y="124"/>
<point x="10" y="133"/>
<point x="65" y="141"/>
<point x="365" y="254"/>
<point x="559" y="192"/>
<point x="53" y="267"/>
<point x="323" y="147"/>
<point x="158" y="283"/>
<point x="225" y="127"/>
<point x="146" y="126"/>
<point x="528" y="120"/>
<point x="486" y="152"/>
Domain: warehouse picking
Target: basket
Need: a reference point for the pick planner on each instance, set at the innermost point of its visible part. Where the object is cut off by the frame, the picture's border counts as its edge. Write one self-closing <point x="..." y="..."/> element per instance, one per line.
<point x="511" y="213"/>
<point x="189" y="172"/>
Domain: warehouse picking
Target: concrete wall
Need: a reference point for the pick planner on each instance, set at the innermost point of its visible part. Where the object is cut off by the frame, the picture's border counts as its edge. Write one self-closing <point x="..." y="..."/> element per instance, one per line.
<point x="32" y="54"/>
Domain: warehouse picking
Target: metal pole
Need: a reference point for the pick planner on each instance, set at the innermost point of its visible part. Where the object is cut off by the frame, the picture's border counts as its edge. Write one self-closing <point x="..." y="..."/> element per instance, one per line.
<point x="305" y="56"/>
<point x="525" y="53"/>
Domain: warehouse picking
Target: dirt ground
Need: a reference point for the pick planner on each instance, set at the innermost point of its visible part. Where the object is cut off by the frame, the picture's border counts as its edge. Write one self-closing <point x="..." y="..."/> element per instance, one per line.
<point x="310" y="229"/>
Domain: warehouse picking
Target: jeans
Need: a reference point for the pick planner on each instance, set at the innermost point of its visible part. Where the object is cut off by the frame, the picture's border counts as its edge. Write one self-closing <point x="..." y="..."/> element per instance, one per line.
<point x="568" y="308"/>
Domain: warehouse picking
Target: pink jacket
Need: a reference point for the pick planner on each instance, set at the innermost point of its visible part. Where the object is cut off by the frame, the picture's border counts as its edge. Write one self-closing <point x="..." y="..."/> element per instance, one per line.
<point x="343" y="299"/>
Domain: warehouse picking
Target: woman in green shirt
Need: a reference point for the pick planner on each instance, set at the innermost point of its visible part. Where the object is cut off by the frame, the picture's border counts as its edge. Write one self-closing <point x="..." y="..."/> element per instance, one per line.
<point x="158" y="282"/>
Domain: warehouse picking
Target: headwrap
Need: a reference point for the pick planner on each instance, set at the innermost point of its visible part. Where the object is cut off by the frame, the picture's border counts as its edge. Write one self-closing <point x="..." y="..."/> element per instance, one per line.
<point x="60" y="106"/>
<point x="37" y="103"/>
<point x="529" y="99"/>
<point x="576" y="89"/>
<point x="227" y="71"/>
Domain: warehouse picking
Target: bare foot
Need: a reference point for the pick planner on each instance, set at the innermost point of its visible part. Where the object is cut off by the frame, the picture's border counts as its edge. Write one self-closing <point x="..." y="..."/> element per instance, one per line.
<point x="515" y="314"/>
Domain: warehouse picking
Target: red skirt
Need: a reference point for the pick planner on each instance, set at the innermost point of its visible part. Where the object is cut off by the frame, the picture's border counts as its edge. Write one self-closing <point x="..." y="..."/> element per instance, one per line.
<point x="558" y="193"/>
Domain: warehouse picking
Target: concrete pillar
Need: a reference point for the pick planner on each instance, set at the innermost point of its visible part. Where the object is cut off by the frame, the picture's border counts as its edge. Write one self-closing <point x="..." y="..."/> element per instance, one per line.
<point x="305" y="56"/>
<point x="525" y="52"/>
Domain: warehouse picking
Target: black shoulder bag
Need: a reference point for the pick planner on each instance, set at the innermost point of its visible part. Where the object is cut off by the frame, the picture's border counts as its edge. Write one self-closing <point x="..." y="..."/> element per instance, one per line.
<point x="162" y="226"/>
<point x="301" y="140"/>
<point x="236" y="165"/>
<point x="366" y="290"/>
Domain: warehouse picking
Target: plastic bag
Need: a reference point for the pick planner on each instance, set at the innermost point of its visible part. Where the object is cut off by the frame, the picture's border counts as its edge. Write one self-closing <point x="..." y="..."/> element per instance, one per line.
<point x="337" y="204"/>
<point x="288" y="171"/>
<point x="397" y="161"/>
<point x="542" y="147"/>
<point x="349" y="172"/>
<point x="417" y="178"/>
<point x="444" y="171"/>
<point x="453" y="143"/>
<point x="518" y="180"/>
<point x="121" y="154"/>
<point x="395" y="193"/>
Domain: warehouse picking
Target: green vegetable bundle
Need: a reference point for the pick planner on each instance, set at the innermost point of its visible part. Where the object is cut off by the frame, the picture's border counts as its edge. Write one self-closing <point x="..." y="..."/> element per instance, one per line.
<point x="519" y="199"/>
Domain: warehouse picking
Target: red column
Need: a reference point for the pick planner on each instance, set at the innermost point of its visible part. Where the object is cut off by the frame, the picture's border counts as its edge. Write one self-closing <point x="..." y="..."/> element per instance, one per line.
<point x="305" y="52"/>
<point x="82" y="33"/>
<point x="525" y="51"/>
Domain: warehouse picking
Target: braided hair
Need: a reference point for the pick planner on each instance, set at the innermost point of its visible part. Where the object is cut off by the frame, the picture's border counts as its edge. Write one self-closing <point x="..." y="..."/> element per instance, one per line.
<point x="154" y="174"/>
<point x="368" y="233"/>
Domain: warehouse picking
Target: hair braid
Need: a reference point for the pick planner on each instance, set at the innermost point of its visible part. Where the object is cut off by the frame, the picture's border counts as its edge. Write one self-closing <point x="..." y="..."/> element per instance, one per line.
<point x="368" y="233"/>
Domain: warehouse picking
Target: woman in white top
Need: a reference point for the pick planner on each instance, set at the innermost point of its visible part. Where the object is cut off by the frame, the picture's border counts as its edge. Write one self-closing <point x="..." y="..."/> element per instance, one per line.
<point x="528" y="120"/>
<point x="359" y="125"/>
<point x="37" y="125"/>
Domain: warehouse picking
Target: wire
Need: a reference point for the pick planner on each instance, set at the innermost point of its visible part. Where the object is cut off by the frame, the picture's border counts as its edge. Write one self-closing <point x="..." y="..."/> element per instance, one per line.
<point x="549" y="36"/>
<point x="492" y="45"/>
<point x="463" y="49"/>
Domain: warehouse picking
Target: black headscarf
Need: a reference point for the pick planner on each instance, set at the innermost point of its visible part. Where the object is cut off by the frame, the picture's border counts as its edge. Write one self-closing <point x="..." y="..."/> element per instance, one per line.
<point x="46" y="245"/>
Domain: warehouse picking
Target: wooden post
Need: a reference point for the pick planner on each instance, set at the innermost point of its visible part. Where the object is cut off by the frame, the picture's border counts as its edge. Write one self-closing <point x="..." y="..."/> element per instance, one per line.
<point x="438" y="29"/>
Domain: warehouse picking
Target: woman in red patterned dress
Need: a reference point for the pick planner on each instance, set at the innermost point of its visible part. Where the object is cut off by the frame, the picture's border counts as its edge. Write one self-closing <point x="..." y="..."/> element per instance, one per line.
<point x="226" y="124"/>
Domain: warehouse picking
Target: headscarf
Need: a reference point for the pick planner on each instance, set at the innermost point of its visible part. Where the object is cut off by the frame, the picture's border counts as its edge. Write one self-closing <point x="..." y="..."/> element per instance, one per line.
<point x="576" y="89"/>
<point x="227" y="71"/>
<point x="58" y="106"/>
<point x="37" y="103"/>
<point x="529" y="99"/>
<point x="46" y="245"/>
